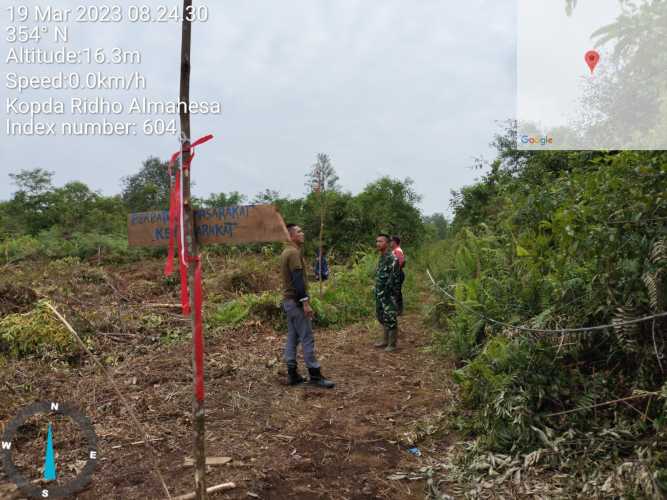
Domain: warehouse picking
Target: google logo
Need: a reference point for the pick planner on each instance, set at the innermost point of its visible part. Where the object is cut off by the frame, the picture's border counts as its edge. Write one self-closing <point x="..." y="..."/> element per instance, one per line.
<point x="542" y="140"/>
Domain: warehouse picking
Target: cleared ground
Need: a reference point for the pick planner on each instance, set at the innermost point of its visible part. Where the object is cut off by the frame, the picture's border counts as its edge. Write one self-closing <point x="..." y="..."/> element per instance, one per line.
<point x="284" y="442"/>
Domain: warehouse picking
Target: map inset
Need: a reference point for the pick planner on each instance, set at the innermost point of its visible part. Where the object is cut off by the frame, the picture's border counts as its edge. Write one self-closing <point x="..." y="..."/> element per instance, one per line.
<point x="592" y="75"/>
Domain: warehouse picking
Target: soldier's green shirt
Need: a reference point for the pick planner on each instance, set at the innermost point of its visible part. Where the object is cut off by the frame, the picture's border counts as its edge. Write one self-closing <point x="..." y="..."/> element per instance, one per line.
<point x="386" y="276"/>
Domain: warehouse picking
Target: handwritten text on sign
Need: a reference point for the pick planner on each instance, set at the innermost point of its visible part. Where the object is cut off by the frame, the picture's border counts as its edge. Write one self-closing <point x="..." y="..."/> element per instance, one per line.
<point x="225" y="225"/>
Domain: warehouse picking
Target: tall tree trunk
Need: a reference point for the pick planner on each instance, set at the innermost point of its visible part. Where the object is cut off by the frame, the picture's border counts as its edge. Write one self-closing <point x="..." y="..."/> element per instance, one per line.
<point x="322" y="208"/>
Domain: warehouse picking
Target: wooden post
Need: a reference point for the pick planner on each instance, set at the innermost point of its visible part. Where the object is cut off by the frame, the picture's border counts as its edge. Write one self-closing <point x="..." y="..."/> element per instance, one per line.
<point x="322" y="201"/>
<point x="190" y="243"/>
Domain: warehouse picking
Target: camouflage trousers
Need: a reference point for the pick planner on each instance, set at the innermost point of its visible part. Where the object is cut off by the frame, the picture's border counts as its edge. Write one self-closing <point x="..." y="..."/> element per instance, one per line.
<point x="386" y="311"/>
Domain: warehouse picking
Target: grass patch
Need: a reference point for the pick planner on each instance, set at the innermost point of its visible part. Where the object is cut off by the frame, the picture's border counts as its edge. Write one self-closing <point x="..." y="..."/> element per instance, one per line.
<point x="347" y="298"/>
<point x="262" y="307"/>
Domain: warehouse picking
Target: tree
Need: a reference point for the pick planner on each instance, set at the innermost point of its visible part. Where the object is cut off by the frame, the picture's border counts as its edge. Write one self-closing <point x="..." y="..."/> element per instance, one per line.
<point x="437" y="226"/>
<point x="33" y="182"/>
<point x="629" y="99"/>
<point x="222" y="200"/>
<point x="27" y="211"/>
<point x="390" y="205"/>
<point x="149" y="188"/>
<point x="268" y="196"/>
<point x="290" y="209"/>
<point x="322" y="178"/>
<point x="341" y="220"/>
<point x="74" y="208"/>
<point x="626" y="102"/>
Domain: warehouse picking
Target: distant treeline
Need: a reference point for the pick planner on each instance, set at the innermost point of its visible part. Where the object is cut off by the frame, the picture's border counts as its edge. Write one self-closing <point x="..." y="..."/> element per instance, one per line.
<point x="44" y="220"/>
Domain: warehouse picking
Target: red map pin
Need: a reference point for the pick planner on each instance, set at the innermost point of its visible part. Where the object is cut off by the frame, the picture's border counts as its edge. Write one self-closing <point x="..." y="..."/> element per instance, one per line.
<point x="592" y="58"/>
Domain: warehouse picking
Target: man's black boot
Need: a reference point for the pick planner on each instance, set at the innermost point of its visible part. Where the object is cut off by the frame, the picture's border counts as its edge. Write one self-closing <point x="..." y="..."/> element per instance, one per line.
<point x="293" y="377"/>
<point x="318" y="380"/>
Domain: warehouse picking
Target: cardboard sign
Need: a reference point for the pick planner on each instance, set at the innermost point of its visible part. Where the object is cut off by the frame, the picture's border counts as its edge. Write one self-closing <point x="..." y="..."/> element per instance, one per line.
<point x="225" y="225"/>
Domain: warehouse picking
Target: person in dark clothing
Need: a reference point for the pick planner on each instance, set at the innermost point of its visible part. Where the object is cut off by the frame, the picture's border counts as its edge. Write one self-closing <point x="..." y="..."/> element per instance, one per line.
<point x="324" y="274"/>
<point x="299" y="312"/>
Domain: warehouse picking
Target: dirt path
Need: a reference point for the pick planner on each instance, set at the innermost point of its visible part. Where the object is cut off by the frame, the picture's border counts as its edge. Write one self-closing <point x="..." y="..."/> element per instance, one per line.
<point x="285" y="442"/>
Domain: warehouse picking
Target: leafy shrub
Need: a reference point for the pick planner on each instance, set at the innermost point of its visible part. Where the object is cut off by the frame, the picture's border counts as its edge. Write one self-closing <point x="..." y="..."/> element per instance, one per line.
<point x="19" y="248"/>
<point x="36" y="333"/>
<point x="55" y="243"/>
<point x="508" y="385"/>
<point x="557" y="240"/>
<point x="231" y="313"/>
<point x="347" y="298"/>
<point x="258" y="307"/>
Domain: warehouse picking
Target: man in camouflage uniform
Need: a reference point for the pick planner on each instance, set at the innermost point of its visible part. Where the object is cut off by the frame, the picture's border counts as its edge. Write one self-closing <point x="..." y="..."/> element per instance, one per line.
<point x="386" y="284"/>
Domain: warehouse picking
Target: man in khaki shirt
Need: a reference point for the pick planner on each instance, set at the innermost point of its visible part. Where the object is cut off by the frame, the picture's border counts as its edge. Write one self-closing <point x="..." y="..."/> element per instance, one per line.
<point x="298" y="311"/>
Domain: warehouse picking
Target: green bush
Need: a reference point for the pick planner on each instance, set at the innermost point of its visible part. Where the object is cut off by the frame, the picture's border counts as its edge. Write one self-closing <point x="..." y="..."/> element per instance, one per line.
<point x="508" y="385"/>
<point x="35" y="333"/>
<point x="347" y="298"/>
<point x="348" y="294"/>
<point x="263" y="307"/>
<point x="229" y="314"/>
<point x="19" y="248"/>
<point x="555" y="240"/>
<point x="55" y="244"/>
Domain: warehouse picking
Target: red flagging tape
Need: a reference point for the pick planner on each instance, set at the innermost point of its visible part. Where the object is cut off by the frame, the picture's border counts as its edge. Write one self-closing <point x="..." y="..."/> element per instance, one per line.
<point x="199" y="335"/>
<point x="176" y="219"/>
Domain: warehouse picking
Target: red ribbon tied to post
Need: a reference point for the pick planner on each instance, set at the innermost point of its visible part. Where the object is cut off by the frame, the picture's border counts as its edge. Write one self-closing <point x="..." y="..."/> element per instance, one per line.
<point x="176" y="210"/>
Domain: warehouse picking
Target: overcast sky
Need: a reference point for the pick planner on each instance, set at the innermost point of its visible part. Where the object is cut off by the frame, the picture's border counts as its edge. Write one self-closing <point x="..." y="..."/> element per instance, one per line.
<point x="385" y="87"/>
